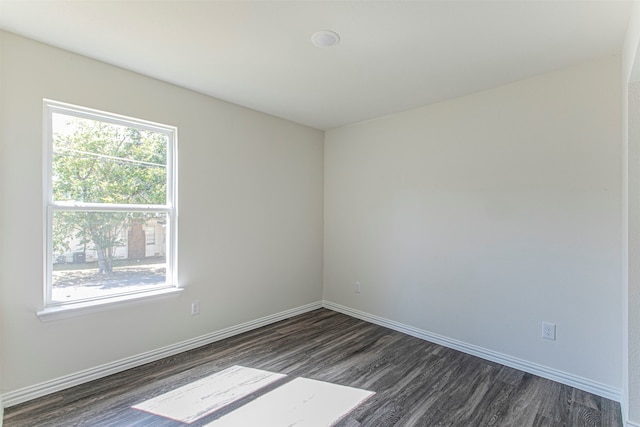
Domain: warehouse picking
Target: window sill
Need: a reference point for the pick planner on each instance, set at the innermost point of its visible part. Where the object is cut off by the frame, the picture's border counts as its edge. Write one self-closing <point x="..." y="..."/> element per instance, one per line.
<point x="80" y="308"/>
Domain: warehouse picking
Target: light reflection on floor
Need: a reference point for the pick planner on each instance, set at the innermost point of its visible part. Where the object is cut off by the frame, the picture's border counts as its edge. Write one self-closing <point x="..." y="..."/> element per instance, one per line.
<point x="205" y="396"/>
<point x="299" y="402"/>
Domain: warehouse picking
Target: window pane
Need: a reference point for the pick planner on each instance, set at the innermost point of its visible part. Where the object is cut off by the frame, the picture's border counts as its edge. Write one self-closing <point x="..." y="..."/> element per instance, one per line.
<point x="98" y="254"/>
<point x="101" y="162"/>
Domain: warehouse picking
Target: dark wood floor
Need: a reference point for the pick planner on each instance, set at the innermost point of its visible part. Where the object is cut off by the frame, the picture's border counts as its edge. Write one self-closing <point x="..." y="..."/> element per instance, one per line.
<point x="417" y="383"/>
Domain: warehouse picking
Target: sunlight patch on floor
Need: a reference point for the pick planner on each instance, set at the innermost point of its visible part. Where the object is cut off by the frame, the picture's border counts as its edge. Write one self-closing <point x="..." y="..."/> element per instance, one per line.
<point x="205" y="396"/>
<point x="299" y="402"/>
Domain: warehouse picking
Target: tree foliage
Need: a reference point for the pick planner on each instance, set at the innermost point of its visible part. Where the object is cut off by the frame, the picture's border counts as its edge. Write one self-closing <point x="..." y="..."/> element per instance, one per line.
<point x="105" y="163"/>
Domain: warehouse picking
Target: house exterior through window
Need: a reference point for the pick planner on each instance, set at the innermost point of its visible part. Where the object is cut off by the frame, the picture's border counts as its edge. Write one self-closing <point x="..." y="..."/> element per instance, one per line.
<point x="110" y="205"/>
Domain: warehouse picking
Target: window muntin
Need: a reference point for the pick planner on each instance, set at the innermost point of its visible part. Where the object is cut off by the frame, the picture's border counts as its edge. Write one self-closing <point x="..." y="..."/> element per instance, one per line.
<point x="110" y="179"/>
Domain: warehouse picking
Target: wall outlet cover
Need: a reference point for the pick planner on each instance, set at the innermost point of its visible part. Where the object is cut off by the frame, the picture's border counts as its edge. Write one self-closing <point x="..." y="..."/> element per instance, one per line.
<point x="549" y="331"/>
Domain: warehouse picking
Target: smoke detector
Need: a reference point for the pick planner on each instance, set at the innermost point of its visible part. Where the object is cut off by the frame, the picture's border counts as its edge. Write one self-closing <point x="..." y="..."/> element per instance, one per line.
<point x="325" y="38"/>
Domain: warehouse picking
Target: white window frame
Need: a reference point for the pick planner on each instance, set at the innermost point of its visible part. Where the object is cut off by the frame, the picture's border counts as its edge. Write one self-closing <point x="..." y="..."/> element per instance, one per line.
<point x="55" y="309"/>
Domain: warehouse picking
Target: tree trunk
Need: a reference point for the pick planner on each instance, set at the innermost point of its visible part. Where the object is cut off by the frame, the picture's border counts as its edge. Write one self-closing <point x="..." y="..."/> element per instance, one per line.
<point x="105" y="260"/>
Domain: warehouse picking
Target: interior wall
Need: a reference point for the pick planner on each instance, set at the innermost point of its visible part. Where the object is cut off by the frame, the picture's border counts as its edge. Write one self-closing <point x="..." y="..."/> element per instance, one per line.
<point x="2" y="202"/>
<point x="250" y="215"/>
<point x="633" y="320"/>
<point x="481" y="217"/>
<point x="631" y="218"/>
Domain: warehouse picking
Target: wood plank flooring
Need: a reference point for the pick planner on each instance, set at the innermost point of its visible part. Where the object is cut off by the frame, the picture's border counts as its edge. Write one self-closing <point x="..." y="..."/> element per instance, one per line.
<point x="417" y="383"/>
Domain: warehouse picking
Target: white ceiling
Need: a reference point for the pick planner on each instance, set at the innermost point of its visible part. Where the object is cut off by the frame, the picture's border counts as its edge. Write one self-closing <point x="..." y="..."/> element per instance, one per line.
<point x="393" y="55"/>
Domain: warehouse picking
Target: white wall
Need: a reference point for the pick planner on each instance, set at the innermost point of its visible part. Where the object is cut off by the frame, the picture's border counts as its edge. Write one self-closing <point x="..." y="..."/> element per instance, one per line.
<point x="250" y="206"/>
<point x="2" y="179"/>
<point x="481" y="217"/>
<point x="633" y="288"/>
<point x="631" y="218"/>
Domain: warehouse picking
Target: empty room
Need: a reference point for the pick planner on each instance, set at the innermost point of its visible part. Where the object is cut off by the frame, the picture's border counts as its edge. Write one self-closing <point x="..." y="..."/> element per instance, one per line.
<point x="314" y="213"/>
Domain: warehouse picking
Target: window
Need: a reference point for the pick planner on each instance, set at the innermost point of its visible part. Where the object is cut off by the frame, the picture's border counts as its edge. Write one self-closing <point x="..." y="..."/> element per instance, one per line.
<point x="110" y="206"/>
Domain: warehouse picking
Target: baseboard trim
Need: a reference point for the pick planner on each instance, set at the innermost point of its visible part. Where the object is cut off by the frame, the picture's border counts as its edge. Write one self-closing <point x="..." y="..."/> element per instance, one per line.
<point x="493" y="356"/>
<point x="32" y="392"/>
<point x="625" y="421"/>
<point x="625" y="414"/>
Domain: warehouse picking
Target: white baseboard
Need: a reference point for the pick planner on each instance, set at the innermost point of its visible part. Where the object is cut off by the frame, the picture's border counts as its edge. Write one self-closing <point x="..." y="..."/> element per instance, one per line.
<point x="28" y="393"/>
<point x="493" y="356"/>
<point x="32" y="392"/>
<point x="626" y="422"/>
<point x="625" y="413"/>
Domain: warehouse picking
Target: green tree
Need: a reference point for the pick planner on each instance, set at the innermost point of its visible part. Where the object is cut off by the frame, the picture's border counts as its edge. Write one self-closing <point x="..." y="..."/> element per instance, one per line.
<point x="104" y="163"/>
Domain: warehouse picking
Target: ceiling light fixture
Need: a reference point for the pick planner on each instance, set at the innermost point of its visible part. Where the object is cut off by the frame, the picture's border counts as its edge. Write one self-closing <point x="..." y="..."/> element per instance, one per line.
<point x="325" y="38"/>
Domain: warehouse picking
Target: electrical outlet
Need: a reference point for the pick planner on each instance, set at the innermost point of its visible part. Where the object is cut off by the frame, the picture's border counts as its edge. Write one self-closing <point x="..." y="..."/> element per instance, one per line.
<point x="356" y="287"/>
<point x="549" y="331"/>
<point x="195" y="308"/>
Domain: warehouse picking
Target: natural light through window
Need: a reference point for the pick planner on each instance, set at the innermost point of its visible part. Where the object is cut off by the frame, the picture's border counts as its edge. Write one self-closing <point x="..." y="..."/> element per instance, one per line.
<point x="110" y="205"/>
<point x="292" y="402"/>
